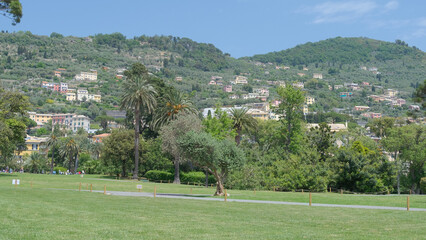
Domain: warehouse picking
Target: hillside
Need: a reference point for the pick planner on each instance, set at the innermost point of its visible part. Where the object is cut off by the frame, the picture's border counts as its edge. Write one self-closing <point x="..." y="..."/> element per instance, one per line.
<point x="27" y="59"/>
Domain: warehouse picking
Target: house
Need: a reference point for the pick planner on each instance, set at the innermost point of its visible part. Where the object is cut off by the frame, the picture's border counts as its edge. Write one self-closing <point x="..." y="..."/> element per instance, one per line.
<point x="245" y="96"/>
<point x="57" y="74"/>
<point x="391" y="92"/>
<point x="298" y="85"/>
<point x="334" y="127"/>
<point x="178" y="79"/>
<point x="219" y="82"/>
<point x="261" y="91"/>
<point x="70" y="96"/>
<point x="345" y="94"/>
<point x="105" y="68"/>
<point x="414" y="107"/>
<point x="338" y="86"/>
<point x="233" y="96"/>
<point x="275" y="103"/>
<point x="100" y="137"/>
<point x="372" y="69"/>
<point x="366" y="83"/>
<point x="240" y="80"/>
<point x="32" y="144"/>
<point x="305" y="69"/>
<point x="301" y="74"/>
<point x="261" y="106"/>
<point x="258" y="114"/>
<point x="361" y="108"/>
<point x="309" y="100"/>
<point x="253" y="95"/>
<point x="40" y="118"/>
<point x="91" y="76"/>
<point x="227" y="88"/>
<point x="398" y="102"/>
<point x="212" y="82"/>
<point x="372" y="115"/>
<point x="317" y="75"/>
<point x="116" y="114"/>
<point x="363" y="68"/>
<point x="119" y="76"/>
<point x="305" y="109"/>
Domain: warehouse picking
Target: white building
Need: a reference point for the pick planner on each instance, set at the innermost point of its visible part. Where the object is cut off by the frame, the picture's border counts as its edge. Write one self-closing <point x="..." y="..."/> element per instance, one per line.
<point x="91" y="76"/>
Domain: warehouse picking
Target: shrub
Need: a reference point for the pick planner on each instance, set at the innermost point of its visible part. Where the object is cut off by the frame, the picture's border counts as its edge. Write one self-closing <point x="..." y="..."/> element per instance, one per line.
<point x="57" y="169"/>
<point x="423" y="185"/>
<point x="157" y="175"/>
<point x="196" y="177"/>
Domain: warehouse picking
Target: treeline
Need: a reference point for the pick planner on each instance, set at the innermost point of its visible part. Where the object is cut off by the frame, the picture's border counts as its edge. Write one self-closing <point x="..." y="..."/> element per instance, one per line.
<point x="341" y="50"/>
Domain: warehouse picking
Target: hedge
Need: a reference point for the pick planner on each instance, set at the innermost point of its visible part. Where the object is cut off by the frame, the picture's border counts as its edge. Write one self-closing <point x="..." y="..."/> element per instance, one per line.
<point x="192" y="177"/>
<point x="57" y="169"/>
<point x="423" y="185"/>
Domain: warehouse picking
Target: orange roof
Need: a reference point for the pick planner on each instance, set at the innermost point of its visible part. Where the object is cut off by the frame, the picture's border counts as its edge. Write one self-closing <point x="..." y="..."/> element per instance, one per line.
<point x="102" y="135"/>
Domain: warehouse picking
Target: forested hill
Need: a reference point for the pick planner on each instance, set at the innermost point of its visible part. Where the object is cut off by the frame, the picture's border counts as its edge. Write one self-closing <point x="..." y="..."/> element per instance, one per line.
<point x="342" y="50"/>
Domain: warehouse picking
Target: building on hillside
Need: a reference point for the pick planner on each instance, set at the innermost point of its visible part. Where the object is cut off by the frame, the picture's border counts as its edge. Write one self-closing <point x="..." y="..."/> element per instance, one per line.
<point x="261" y="91"/>
<point x="345" y="94"/>
<point x="298" y="85"/>
<point x="227" y="88"/>
<point x="414" y="107"/>
<point x="258" y="114"/>
<point x="91" y="76"/>
<point x="100" y="137"/>
<point x="301" y="74"/>
<point x="334" y="127"/>
<point x="305" y="109"/>
<point x="366" y="83"/>
<point x="338" y="86"/>
<point x="40" y="118"/>
<point x="309" y="100"/>
<point x="361" y="108"/>
<point x="219" y="82"/>
<point x="57" y="74"/>
<point x="62" y="119"/>
<point x="305" y="69"/>
<point x="71" y="96"/>
<point x="372" y="115"/>
<point x="83" y="95"/>
<point x="317" y="75"/>
<point x="234" y="96"/>
<point x="391" y="92"/>
<point x="398" y="102"/>
<point x="240" y="80"/>
<point x="79" y="121"/>
<point x="32" y="144"/>
<point x="178" y="79"/>
<point x="212" y="82"/>
<point x="116" y="114"/>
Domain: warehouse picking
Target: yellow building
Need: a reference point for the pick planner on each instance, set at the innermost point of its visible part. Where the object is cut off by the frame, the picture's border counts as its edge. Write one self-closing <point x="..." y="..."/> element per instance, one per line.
<point x="33" y="144"/>
<point x="305" y="109"/>
<point x="309" y="100"/>
<point x="40" y="118"/>
<point x="71" y="96"/>
<point x="258" y="114"/>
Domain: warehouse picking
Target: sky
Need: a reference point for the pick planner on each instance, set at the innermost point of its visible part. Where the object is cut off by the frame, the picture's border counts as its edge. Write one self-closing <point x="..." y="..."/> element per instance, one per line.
<point x="238" y="27"/>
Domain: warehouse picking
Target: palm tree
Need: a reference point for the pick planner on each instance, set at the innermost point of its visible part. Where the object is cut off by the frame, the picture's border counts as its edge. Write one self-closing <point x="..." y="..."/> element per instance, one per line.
<point x="35" y="162"/>
<point x="175" y="103"/>
<point x="241" y="120"/>
<point x="69" y="150"/>
<point x="52" y="142"/>
<point x="139" y="95"/>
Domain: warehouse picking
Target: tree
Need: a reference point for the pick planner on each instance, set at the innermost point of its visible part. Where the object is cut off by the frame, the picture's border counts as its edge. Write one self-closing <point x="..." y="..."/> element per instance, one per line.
<point x="52" y="142"/>
<point x="220" y="126"/>
<point x="218" y="157"/>
<point x="321" y="139"/>
<point x="118" y="151"/>
<point x="381" y="126"/>
<point x="175" y="102"/>
<point x="11" y="9"/>
<point x="241" y="121"/>
<point x="35" y="162"/>
<point x="290" y="111"/>
<point x="172" y="132"/>
<point x="69" y="150"/>
<point x="139" y="96"/>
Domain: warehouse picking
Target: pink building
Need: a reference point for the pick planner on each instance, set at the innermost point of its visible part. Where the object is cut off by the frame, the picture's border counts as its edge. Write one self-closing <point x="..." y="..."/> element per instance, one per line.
<point x="227" y="88"/>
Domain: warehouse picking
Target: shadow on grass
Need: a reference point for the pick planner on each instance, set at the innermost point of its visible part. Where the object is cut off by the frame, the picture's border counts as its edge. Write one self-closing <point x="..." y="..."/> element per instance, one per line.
<point x="8" y="175"/>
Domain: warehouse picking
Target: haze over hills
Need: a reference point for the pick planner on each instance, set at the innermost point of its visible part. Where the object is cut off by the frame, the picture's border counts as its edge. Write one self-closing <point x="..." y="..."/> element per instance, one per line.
<point x="189" y="66"/>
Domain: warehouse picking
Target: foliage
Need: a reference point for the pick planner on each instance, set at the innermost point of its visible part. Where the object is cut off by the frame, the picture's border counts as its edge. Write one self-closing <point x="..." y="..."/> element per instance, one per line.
<point x="157" y="175"/>
<point x="220" y="126"/>
<point x="59" y="169"/>
<point x="36" y="163"/>
<point x="321" y="138"/>
<point x="11" y="9"/>
<point x="423" y="185"/>
<point x="197" y="177"/>
<point x="241" y="121"/>
<point x="381" y="126"/>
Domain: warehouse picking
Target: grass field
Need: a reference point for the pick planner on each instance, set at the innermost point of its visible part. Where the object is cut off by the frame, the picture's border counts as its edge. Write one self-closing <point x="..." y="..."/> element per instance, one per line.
<point x="43" y="213"/>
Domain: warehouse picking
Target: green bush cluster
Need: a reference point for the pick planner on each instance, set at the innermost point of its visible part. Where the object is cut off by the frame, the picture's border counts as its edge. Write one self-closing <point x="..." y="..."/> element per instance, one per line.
<point x="57" y="169"/>
<point x="423" y="185"/>
<point x="192" y="177"/>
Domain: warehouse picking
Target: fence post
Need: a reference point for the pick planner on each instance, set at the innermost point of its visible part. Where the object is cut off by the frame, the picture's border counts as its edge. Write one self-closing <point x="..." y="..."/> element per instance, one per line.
<point x="191" y="190"/>
<point x="161" y="181"/>
<point x="226" y="195"/>
<point x="302" y="190"/>
<point x="169" y="181"/>
<point x="155" y="191"/>
<point x="410" y="191"/>
<point x="90" y="187"/>
<point x="79" y="187"/>
<point x="310" y="199"/>
<point x="341" y="191"/>
<point x="104" y="189"/>
<point x="330" y="189"/>
<point x="254" y="191"/>
<point x="408" y="203"/>
<point x="211" y="185"/>
<point x="274" y="188"/>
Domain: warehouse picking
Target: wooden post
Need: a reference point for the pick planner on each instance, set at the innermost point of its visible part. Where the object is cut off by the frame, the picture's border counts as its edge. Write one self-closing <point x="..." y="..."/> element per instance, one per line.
<point x="91" y="188"/>
<point x="341" y="191"/>
<point x="274" y="188"/>
<point x="310" y="199"/>
<point x="410" y="191"/>
<point x="104" y="189"/>
<point x="188" y="183"/>
<point x="254" y="191"/>
<point x="226" y="196"/>
<point x="408" y="203"/>
<point x="191" y="190"/>
<point x="155" y="191"/>
<point x="79" y="187"/>
<point x="212" y="185"/>
<point x="330" y="189"/>
<point x="388" y="192"/>
<point x="302" y="190"/>
<point x="169" y="181"/>
<point x="161" y="181"/>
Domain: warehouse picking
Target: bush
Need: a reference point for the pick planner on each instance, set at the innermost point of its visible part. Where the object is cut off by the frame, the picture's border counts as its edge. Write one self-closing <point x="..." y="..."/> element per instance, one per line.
<point x="196" y="177"/>
<point x="423" y="185"/>
<point x="157" y="175"/>
<point x="57" y="169"/>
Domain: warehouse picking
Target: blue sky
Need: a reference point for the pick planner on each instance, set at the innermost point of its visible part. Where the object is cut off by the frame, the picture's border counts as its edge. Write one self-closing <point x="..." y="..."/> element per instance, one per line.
<point x="238" y="27"/>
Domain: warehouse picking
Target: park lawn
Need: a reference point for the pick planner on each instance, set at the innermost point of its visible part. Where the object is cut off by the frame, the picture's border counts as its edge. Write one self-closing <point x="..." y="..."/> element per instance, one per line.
<point x="98" y="182"/>
<point x="55" y="214"/>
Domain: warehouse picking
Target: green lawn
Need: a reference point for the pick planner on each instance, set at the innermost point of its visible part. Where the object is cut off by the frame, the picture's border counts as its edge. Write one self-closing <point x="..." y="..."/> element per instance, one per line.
<point x="98" y="183"/>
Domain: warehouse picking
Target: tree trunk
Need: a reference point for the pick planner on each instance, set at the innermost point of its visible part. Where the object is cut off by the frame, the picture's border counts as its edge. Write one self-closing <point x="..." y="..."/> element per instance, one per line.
<point x="123" y="169"/>
<point x="238" y="136"/>
<point x="397" y="177"/>
<point x="51" y="163"/>
<point x="76" y="164"/>
<point x="137" y="122"/>
<point x="220" y="191"/>
<point x="207" y="179"/>
<point x="177" y="175"/>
